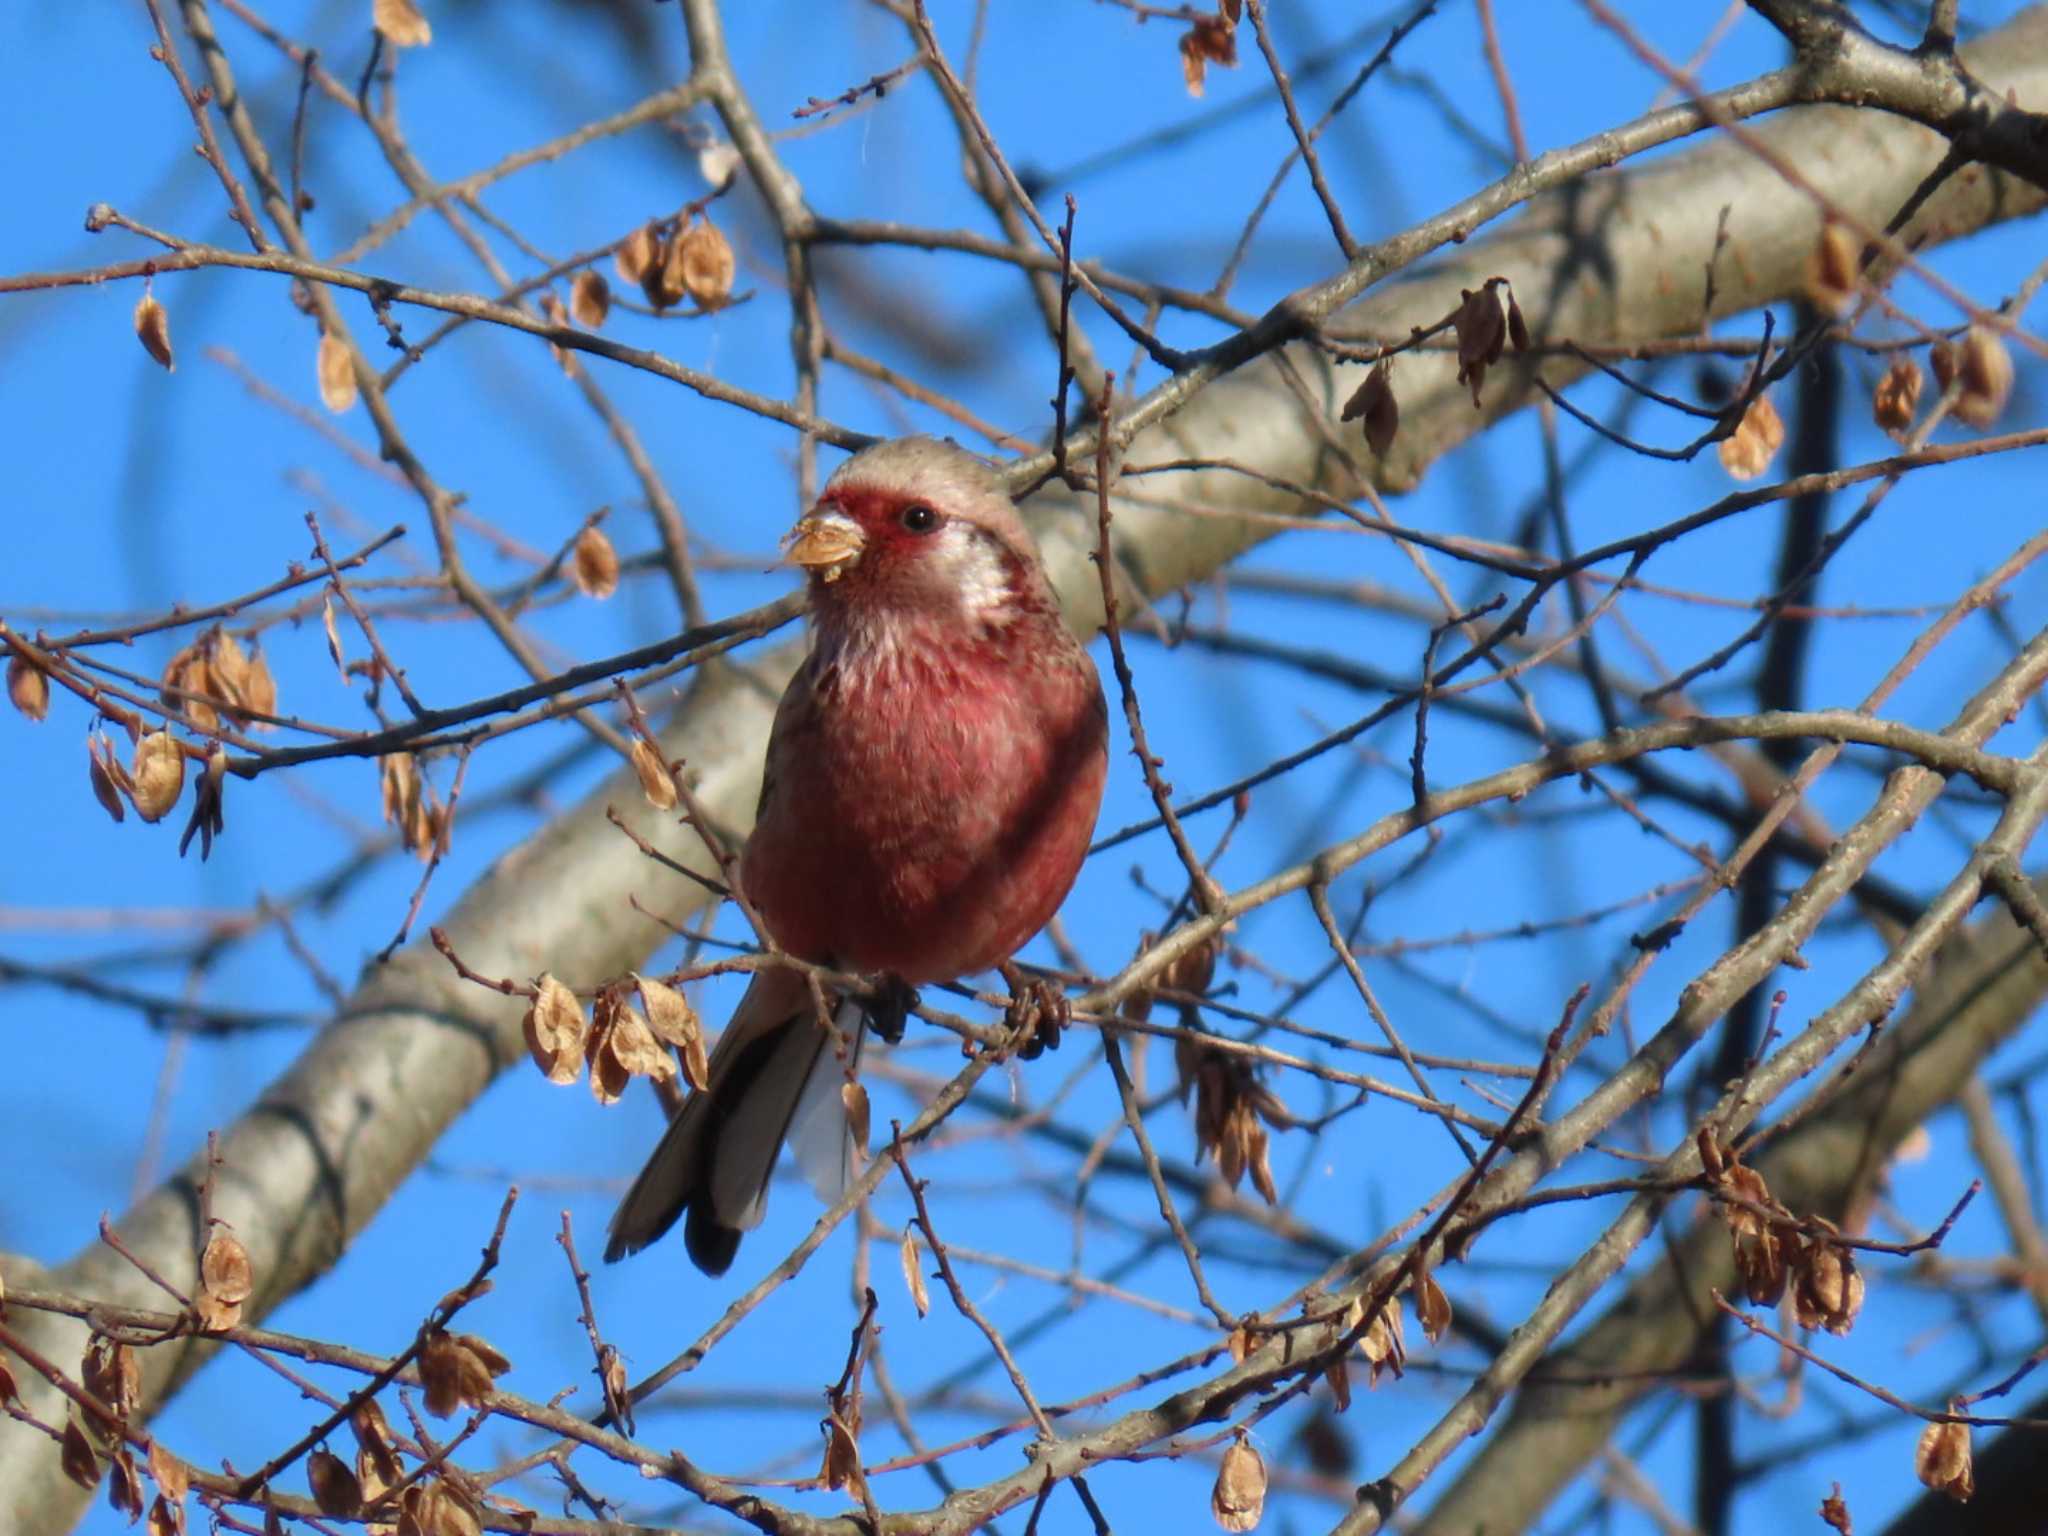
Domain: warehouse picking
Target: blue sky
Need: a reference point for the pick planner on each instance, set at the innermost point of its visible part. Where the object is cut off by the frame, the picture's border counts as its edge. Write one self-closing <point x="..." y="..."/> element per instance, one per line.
<point x="132" y="489"/>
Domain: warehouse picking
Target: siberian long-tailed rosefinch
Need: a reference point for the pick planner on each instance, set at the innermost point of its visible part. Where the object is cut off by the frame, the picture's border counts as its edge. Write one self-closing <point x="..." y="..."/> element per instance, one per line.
<point x="932" y="781"/>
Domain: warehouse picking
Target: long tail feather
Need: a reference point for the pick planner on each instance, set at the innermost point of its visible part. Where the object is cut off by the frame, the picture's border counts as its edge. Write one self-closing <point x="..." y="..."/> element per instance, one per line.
<point x="715" y="1159"/>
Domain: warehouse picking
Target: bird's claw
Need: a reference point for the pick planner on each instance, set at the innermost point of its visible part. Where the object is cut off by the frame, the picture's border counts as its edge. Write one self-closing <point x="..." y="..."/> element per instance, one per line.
<point x="1038" y="1011"/>
<point x="890" y="1008"/>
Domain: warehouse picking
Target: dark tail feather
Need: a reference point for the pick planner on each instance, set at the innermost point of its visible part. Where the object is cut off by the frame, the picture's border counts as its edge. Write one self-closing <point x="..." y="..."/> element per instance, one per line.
<point x="715" y="1158"/>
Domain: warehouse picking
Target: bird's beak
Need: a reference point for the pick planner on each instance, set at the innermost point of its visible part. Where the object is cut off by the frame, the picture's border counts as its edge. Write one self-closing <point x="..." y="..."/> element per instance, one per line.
<point x="827" y="542"/>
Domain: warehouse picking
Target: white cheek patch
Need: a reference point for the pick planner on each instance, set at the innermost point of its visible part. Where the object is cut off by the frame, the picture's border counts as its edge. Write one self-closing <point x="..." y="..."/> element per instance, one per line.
<point x="972" y="566"/>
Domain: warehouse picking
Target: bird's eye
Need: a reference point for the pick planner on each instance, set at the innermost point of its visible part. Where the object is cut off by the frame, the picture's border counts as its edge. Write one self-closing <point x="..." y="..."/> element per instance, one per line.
<point x="919" y="518"/>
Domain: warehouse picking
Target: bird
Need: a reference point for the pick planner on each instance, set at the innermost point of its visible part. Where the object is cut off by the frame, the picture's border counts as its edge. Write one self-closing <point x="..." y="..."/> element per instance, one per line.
<point x="932" y="781"/>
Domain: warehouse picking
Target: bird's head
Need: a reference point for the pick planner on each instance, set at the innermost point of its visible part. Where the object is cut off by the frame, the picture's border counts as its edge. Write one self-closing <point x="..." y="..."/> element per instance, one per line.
<point x="918" y="529"/>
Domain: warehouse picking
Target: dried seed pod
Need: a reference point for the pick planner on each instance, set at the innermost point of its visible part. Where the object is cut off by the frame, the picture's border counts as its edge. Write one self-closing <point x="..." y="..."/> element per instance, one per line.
<point x="398" y="780"/>
<point x="458" y="1368"/>
<point x="153" y="329"/>
<point x="158" y="776"/>
<point x="705" y="262"/>
<point x="333" y="636"/>
<point x="1985" y="368"/>
<point x="854" y="1098"/>
<point x="1382" y="1345"/>
<point x="224" y="1270"/>
<point x="661" y="280"/>
<point x="166" y="1518"/>
<point x="1942" y="1460"/>
<point x="76" y="1457"/>
<point x="106" y="774"/>
<point x="1828" y="1292"/>
<point x="590" y="299"/>
<point x="595" y="565"/>
<point x="1482" y="335"/>
<point x="374" y="1442"/>
<point x="636" y="253"/>
<point x="1239" y="1497"/>
<point x="1831" y="280"/>
<point x="186" y="674"/>
<point x="336" y="372"/>
<point x="124" y="1485"/>
<point x="555" y="1029"/>
<point x="1749" y="449"/>
<point x="28" y="689"/>
<point x="401" y="22"/>
<point x="669" y="1013"/>
<point x="913" y="1273"/>
<point x="1897" y="396"/>
<point x="1836" y="1513"/>
<point x="1518" y="328"/>
<point x="1432" y="1307"/>
<point x="112" y="1374"/>
<point x="1211" y="40"/>
<point x="335" y="1488"/>
<point x="842" y="1467"/>
<point x="1374" y="400"/>
<point x="656" y="782"/>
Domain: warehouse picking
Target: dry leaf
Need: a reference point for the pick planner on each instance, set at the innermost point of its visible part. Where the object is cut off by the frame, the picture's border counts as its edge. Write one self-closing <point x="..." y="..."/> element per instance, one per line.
<point x="595" y="565"/>
<point x="28" y="689"/>
<point x="555" y="1030"/>
<point x="1239" y="1497"/>
<point x="401" y="23"/>
<point x="188" y="673"/>
<point x="172" y="1476"/>
<point x="166" y="1518"/>
<point x="842" y="1454"/>
<point x="1374" y="400"/>
<point x="158" y="776"/>
<point x="656" y="782"/>
<point x="153" y="329"/>
<point x="913" y="1273"/>
<point x="703" y="260"/>
<point x="590" y="299"/>
<point x="335" y="1488"/>
<point x="1518" y="328"/>
<point x="337" y="373"/>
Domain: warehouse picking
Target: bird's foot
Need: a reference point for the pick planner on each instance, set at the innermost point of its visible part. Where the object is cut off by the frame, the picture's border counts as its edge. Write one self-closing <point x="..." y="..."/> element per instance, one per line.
<point x="1038" y="1011"/>
<point x="890" y="1008"/>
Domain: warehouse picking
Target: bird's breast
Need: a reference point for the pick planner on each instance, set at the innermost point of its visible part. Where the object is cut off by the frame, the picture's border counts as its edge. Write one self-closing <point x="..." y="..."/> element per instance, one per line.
<point x="927" y="806"/>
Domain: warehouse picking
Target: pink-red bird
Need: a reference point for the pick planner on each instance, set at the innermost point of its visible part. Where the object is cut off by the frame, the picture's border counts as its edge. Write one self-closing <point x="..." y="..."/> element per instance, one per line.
<point x="932" y="782"/>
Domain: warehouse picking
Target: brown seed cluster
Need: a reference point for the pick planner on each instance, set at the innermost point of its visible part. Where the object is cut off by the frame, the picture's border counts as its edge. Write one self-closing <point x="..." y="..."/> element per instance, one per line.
<point x="694" y="261"/>
<point x="618" y="1042"/>
<point x="1898" y="397"/>
<point x="226" y="1282"/>
<point x="215" y="679"/>
<point x="594" y="564"/>
<point x="1774" y="1251"/>
<point x="410" y="806"/>
<point x="1232" y="1110"/>
<point x="1484" y="329"/>
<point x="458" y="1368"/>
